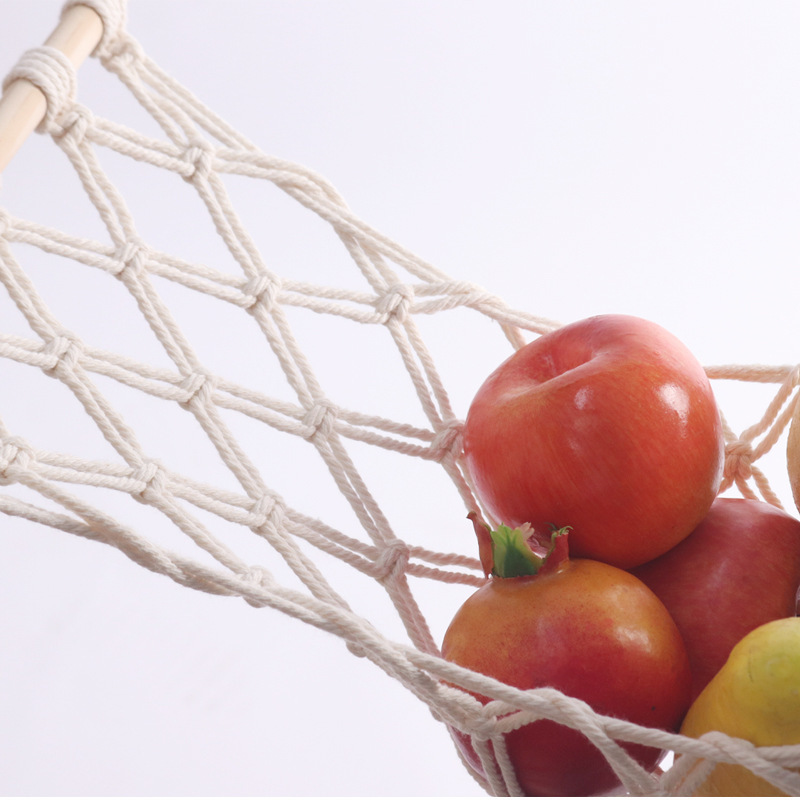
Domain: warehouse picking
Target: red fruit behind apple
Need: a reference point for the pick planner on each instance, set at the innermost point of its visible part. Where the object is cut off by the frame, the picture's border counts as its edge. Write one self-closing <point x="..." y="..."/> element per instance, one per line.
<point x="739" y="569"/>
<point x="608" y="425"/>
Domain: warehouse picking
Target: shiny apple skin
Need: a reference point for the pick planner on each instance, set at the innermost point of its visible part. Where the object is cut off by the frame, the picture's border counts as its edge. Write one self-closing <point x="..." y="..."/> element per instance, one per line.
<point x="591" y="631"/>
<point x="739" y="569"/>
<point x="608" y="425"/>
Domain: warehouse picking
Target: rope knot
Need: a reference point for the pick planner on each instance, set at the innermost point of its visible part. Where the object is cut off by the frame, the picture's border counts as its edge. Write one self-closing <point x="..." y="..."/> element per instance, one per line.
<point x="258" y="578"/>
<point x="483" y="727"/>
<point x="197" y="387"/>
<point x="74" y="124"/>
<point x="121" y="54"/>
<point x="132" y="260"/>
<point x="319" y="419"/>
<point x="738" y="461"/>
<point x="153" y="480"/>
<point x="53" y="74"/>
<point x="261" y="291"/>
<point x="447" y="444"/>
<point x="268" y="510"/>
<point x="392" y="561"/>
<point x="15" y="455"/>
<point x="395" y="303"/>
<point x="199" y="160"/>
<point x="467" y="714"/>
<point x="62" y="353"/>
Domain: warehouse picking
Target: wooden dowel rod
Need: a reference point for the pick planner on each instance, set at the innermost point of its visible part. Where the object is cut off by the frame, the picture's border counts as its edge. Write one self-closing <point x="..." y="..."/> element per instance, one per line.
<point x="23" y="106"/>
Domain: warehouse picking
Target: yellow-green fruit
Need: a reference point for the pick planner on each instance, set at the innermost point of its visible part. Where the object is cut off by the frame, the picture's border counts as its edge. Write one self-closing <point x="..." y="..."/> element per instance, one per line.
<point x="755" y="696"/>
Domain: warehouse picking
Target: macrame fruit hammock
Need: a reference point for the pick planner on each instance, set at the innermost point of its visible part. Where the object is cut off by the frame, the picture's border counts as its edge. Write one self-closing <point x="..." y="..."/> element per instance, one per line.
<point x="384" y="292"/>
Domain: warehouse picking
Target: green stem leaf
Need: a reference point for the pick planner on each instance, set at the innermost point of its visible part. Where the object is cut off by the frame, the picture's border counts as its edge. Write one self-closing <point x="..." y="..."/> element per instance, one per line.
<point x="513" y="556"/>
<point x="507" y="552"/>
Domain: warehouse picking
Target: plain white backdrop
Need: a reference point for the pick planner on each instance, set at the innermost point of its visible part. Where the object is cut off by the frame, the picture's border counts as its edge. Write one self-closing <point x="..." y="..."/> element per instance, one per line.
<point x="574" y="158"/>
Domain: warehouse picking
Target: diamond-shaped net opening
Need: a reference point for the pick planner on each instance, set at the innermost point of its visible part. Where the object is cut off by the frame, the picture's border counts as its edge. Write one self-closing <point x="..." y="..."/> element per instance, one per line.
<point x="127" y="343"/>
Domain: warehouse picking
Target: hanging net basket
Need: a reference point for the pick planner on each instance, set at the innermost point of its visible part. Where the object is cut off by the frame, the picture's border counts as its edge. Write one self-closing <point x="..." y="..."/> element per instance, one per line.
<point x="254" y="413"/>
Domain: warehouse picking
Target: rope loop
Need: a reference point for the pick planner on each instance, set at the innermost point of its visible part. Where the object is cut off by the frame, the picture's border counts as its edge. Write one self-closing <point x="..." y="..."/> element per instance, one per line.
<point x="114" y="18"/>
<point x="53" y="74"/>
<point x="122" y="54"/>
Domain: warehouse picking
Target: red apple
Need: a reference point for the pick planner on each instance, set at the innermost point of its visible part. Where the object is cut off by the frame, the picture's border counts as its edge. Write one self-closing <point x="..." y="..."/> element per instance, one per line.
<point x="739" y="569"/>
<point x="608" y="425"/>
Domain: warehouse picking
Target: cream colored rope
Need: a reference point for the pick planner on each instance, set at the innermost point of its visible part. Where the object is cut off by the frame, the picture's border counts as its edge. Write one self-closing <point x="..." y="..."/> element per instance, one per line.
<point x="399" y="290"/>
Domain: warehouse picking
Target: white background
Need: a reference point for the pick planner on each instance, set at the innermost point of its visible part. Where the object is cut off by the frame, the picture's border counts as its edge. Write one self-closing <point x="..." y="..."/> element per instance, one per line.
<point x="574" y="158"/>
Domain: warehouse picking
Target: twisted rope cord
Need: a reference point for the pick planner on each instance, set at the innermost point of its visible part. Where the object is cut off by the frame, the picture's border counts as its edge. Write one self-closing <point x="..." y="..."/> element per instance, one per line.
<point x="392" y="304"/>
<point x="52" y="73"/>
<point x="512" y="708"/>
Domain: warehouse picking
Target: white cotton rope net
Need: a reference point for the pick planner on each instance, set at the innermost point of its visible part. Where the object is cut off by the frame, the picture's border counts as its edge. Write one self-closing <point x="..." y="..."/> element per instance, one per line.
<point x="397" y="293"/>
